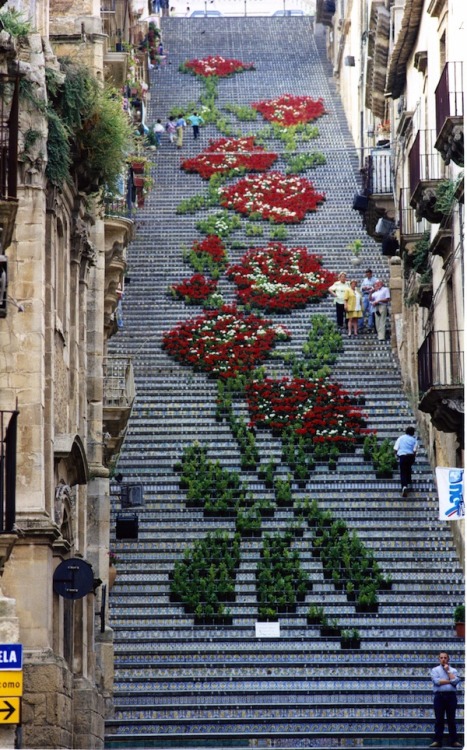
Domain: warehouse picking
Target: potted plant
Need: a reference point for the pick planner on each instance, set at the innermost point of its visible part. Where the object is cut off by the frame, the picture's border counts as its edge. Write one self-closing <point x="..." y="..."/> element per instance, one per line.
<point x="350" y="639"/>
<point x="316" y="616"/>
<point x="356" y="248"/>
<point x="459" y="620"/>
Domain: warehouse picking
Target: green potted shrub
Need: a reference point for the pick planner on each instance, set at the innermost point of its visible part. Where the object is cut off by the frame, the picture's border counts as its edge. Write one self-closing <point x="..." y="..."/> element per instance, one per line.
<point x="316" y="616"/>
<point x="350" y="639"/>
<point x="330" y="629"/>
<point x="459" y="620"/>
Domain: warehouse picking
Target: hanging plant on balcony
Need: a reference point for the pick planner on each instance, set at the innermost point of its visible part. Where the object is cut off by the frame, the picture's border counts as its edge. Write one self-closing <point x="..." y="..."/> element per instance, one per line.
<point x="230" y="156"/>
<point x="279" y="278"/>
<point x="215" y="65"/>
<point x="224" y="342"/>
<point x="275" y="197"/>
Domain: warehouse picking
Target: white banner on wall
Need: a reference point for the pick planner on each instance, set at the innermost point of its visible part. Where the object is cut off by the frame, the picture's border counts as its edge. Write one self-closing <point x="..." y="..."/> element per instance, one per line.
<point x="450" y="483"/>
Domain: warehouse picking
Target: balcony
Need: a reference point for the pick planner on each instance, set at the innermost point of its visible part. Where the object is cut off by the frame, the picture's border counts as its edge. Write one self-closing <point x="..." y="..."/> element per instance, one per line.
<point x="119" y="395"/>
<point x="119" y="226"/>
<point x="441" y="381"/>
<point x="377" y="185"/>
<point x="8" y="157"/>
<point x="449" y="100"/>
<point x="411" y="228"/>
<point x="426" y="172"/>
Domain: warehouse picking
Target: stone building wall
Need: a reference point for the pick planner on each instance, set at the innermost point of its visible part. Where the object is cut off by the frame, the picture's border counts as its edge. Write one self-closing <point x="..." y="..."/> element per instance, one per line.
<point x="51" y="367"/>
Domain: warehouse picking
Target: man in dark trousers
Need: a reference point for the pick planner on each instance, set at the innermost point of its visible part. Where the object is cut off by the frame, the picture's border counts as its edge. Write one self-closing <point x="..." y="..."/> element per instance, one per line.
<point x="406" y="449"/>
<point x="445" y="681"/>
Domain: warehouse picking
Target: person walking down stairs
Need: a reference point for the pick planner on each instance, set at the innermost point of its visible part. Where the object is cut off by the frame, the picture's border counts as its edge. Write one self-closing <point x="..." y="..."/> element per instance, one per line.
<point x="406" y="449"/>
<point x="445" y="681"/>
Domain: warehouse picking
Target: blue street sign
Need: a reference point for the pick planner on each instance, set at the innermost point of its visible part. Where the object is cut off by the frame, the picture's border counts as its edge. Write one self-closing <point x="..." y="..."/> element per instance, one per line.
<point x="11" y="656"/>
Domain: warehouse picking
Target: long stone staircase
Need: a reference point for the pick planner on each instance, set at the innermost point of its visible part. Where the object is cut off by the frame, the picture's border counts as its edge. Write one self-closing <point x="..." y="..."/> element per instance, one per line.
<point x="178" y="684"/>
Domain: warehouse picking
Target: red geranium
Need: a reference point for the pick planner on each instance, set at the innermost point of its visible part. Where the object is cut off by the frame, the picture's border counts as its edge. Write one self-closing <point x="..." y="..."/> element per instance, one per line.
<point x="316" y="408"/>
<point x="290" y="110"/>
<point x="223" y="342"/>
<point x="230" y="155"/>
<point x="215" y="65"/>
<point x="196" y="289"/>
<point x="213" y="247"/>
<point x="280" y="278"/>
<point x="280" y="198"/>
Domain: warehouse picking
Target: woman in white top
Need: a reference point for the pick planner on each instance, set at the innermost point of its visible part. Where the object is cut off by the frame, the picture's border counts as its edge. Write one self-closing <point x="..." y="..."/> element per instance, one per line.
<point x="337" y="290"/>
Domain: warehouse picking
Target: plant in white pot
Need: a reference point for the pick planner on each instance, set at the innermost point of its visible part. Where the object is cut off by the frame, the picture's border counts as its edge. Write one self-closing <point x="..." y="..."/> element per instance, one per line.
<point x="356" y="248"/>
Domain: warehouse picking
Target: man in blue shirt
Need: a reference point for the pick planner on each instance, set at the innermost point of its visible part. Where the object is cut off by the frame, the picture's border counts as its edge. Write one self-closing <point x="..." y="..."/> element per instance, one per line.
<point x="445" y="681"/>
<point x="196" y="120"/>
<point x="406" y="449"/>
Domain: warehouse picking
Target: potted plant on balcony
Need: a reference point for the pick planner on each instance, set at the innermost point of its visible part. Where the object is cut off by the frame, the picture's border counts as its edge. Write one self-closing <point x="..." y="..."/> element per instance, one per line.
<point x="459" y="620"/>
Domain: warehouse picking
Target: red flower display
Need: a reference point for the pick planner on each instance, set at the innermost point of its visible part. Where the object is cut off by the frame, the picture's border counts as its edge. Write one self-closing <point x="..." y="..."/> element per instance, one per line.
<point x="223" y="342"/>
<point x="230" y="155"/>
<point x="216" y="65"/>
<point x="196" y="289"/>
<point x="290" y="110"/>
<point x="279" y="278"/>
<point x="211" y="246"/>
<point x="316" y="408"/>
<point x="280" y="198"/>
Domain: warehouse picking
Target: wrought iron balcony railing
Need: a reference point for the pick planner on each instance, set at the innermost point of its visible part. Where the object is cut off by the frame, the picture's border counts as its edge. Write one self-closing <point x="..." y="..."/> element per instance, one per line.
<point x="377" y="176"/>
<point x="449" y="94"/>
<point x="441" y="360"/>
<point x="425" y="163"/>
<point x="410" y="225"/>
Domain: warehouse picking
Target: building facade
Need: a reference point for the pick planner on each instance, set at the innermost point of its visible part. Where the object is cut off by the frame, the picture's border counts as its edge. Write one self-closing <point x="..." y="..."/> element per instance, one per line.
<point x="399" y="66"/>
<point x="64" y="404"/>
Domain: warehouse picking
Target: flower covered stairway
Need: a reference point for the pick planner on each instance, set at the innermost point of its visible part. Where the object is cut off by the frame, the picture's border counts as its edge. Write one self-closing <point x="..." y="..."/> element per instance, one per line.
<point x="181" y="684"/>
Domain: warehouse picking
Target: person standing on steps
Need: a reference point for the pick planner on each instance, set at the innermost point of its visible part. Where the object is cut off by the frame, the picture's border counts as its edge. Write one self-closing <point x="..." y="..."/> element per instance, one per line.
<point x="379" y="301"/>
<point x="180" y="124"/>
<point x="406" y="449"/>
<point x="337" y="290"/>
<point x="196" y="120"/>
<point x="445" y="681"/>
<point x="353" y="307"/>
<point x="171" y="128"/>
<point x="159" y="130"/>
<point x="367" y="287"/>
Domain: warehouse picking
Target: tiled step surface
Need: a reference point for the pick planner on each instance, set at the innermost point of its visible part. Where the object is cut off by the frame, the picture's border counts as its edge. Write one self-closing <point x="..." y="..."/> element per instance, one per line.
<point x="179" y="685"/>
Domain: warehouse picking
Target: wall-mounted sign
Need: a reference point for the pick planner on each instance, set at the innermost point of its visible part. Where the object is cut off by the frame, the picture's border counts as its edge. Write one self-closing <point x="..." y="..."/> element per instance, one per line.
<point x="11" y="656"/>
<point x="11" y="683"/>
<point x="10" y="711"/>
<point x="73" y="579"/>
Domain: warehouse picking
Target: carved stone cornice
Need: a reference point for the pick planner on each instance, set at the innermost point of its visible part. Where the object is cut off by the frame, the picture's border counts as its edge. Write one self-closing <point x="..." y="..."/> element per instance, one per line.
<point x="424" y="202"/>
<point x="445" y="404"/>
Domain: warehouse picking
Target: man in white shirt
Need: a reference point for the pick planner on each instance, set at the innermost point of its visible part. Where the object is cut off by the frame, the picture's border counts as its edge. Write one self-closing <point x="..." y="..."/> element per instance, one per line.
<point x="379" y="301"/>
<point x="367" y="288"/>
<point x="406" y="449"/>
